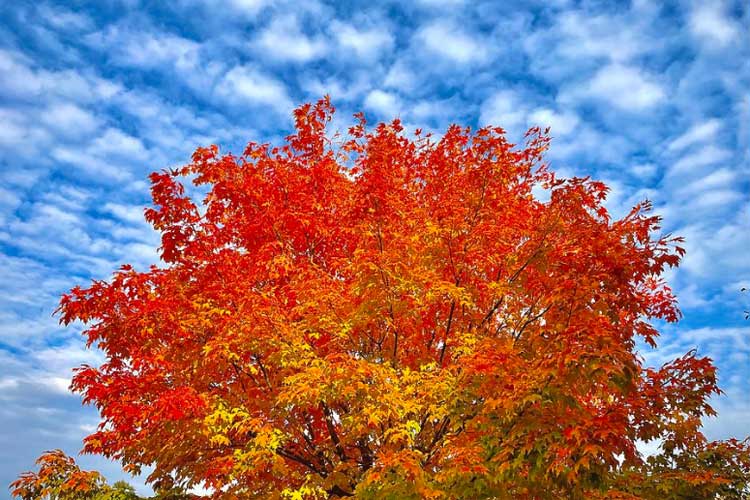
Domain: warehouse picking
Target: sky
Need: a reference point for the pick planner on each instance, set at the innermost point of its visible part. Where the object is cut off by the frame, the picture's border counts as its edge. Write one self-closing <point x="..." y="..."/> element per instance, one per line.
<point x="651" y="97"/>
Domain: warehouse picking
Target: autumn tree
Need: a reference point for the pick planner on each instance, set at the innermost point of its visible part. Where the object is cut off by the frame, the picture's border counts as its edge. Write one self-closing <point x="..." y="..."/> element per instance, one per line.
<point x="60" y="478"/>
<point x="385" y="315"/>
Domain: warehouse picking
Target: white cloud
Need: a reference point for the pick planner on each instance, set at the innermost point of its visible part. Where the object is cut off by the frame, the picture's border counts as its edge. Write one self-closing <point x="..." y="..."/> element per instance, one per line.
<point x="8" y="383"/>
<point x="127" y="213"/>
<point x="9" y="200"/>
<point x="560" y="124"/>
<point x="283" y="39"/>
<point x="718" y="198"/>
<point x="722" y="178"/>
<point x="716" y="252"/>
<point x="504" y="109"/>
<point x="173" y="129"/>
<point x="729" y="338"/>
<point x="78" y="87"/>
<point x="437" y="112"/>
<point x="21" y="80"/>
<point x="591" y="143"/>
<point x="63" y="19"/>
<point x="600" y="36"/>
<point x="69" y="119"/>
<point x="450" y="43"/>
<point x="339" y="90"/>
<point x="16" y="78"/>
<point x="734" y="413"/>
<point x="582" y="39"/>
<point x="716" y="342"/>
<point x="696" y="160"/>
<point x="140" y="255"/>
<point x="625" y="87"/>
<point x="115" y="142"/>
<point x="644" y="170"/>
<point x="139" y="48"/>
<point x="92" y="167"/>
<point x="248" y="6"/>
<point x="385" y="104"/>
<point x="246" y="85"/>
<point x="20" y="135"/>
<point x="401" y="76"/>
<point x="691" y="297"/>
<point x="700" y="132"/>
<point x="709" y="23"/>
<point x="49" y="226"/>
<point x="366" y="44"/>
<point x="112" y="156"/>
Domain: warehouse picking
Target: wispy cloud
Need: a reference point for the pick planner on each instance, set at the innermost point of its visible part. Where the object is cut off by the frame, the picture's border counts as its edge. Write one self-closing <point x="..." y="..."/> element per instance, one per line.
<point x="710" y="23"/>
<point x="384" y="104"/>
<point x="698" y="133"/>
<point x="285" y="41"/>
<point x="505" y="109"/>
<point x="139" y="48"/>
<point x="450" y="42"/>
<point x="244" y="85"/>
<point x="363" y="43"/>
<point x="625" y="87"/>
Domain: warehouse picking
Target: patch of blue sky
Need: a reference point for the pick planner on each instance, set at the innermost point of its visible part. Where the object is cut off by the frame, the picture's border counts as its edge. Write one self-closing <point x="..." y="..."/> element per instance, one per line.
<point x="651" y="97"/>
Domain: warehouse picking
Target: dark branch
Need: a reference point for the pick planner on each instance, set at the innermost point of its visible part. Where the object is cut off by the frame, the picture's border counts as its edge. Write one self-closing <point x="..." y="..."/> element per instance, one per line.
<point x="332" y="432"/>
<point x="447" y="331"/>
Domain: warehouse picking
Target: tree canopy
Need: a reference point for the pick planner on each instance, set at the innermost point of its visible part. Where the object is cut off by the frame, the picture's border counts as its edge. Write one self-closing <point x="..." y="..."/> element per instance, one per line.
<point x="60" y="478"/>
<point x="393" y="315"/>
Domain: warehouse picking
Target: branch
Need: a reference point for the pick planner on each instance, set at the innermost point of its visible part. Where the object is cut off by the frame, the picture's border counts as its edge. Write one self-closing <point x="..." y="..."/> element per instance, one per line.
<point x="300" y="460"/>
<point x="492" y="310"/>
<point x="531" y="320"/>
<point x="395" y="331"/>
<point x="263" y="371"/>
<point x="332" y="432"/>
<point x="439" y="433"/>
<point x="447" y="331"/>
<point x="366" y="453"/>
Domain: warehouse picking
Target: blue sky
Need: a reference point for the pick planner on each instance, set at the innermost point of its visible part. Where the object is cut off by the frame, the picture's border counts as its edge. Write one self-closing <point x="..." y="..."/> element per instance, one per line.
<point x="651" y="97"/>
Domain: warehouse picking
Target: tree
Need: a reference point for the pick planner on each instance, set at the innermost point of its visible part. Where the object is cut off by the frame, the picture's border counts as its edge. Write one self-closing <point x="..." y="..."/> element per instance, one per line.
<point x="59" y="478"/>
<point x="382" y="316"/>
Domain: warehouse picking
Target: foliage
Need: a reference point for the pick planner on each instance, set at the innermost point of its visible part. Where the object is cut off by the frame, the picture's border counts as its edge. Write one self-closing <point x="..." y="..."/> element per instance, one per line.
<point x="59" y="478"/>
<point x="386" y="316"/>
